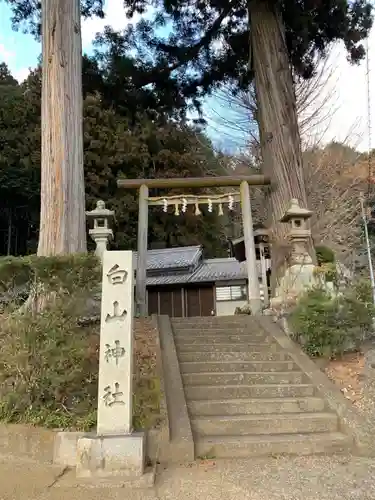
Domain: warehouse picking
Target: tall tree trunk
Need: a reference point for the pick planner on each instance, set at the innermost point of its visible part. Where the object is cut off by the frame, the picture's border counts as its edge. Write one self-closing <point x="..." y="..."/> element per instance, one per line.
<point x="278" y="124"/>
<point x="62" y="215"/>
<point x="10" y="230"/>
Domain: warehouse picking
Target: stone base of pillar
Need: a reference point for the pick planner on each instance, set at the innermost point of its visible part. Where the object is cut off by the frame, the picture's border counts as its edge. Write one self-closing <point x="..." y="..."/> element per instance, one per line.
<point x="108" y="456"/>
<point x="100" y="461"/>
<point x="256" y="306"/>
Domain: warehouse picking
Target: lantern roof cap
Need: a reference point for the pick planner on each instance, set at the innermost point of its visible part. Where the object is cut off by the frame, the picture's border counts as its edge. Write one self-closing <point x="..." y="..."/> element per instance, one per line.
<point x="100" y="211"/>
<point x="296" y="212"/>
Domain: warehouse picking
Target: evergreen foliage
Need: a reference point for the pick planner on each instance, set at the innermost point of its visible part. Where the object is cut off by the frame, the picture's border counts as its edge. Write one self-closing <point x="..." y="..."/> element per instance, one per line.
<point x="211" y="38"/>
<point x="141" y="82"/>
<point x="119" y="140"/>
<point x="329" y="325"/>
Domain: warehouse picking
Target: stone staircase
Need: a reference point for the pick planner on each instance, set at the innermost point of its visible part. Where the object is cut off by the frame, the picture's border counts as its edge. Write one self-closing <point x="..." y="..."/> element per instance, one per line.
<point x="245" y="394"/>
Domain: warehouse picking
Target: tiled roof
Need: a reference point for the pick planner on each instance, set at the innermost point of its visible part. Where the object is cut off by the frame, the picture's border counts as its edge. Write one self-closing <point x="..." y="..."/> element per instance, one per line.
<point x="220" y="270"/>
<point x="172" y="258"/>
<point x="172" y="279"/>
<point x="210" y="270"/>
<point x="189" y="268"/>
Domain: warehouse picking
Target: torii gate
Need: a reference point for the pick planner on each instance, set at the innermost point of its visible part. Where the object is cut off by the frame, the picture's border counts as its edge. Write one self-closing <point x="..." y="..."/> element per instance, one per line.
<point x="244" y="181"/>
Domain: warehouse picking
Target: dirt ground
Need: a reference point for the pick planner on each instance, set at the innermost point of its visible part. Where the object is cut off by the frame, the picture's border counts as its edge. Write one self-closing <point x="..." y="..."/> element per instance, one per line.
<point x="347" y="373"/>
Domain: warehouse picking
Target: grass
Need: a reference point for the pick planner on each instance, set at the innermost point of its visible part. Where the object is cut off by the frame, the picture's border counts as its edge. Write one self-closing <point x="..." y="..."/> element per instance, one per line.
<point x="49" y="370"/>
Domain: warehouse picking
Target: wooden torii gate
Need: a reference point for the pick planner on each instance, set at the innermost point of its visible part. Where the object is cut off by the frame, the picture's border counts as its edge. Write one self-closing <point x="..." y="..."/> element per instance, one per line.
<point x="143" y="185"/>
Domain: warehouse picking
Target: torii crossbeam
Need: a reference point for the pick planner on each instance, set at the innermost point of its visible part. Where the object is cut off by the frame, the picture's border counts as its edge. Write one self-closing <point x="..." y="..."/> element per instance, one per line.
<point x="244" y="181"/>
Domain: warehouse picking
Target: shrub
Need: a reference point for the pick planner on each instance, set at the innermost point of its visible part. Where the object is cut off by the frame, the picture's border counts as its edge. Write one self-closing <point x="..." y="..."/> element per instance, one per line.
<point x="21" y="276"/>
<point x="243" y="310"/>
<point x="49" y="369"/>
<point x="329" y="326"/>
<point x="328" y="272"/>
<point x="49" y="361"/>
<point x="324" y="255"/>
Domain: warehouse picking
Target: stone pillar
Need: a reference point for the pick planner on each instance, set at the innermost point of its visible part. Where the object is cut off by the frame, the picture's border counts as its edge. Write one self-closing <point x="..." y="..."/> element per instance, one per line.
<point x="116" y="344"/>
<point x="101" y="232"/>
<point x="255" y="301"/>
<point x="140" y="289"/>
<point x="114" y="451"/>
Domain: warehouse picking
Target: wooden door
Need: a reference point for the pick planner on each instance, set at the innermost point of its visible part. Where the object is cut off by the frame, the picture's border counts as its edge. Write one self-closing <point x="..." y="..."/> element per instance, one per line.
<point x="165" y="301"/>
<point x="192" y="302"/>
<point x="177" y="302"/>
<point x="199" y="301"/>
<point x="153" y="301"/>
<point x="206" y="300"/>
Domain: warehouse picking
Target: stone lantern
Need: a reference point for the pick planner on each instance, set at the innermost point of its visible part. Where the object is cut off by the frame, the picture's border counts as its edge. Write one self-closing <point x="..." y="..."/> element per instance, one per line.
<point x="299" y="233"/>
<point x="261" y="240"/>
<point x="101" y="220"/>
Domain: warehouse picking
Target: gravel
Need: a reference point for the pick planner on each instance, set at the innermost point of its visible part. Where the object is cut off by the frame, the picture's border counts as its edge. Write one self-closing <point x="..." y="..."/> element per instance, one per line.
<point x="301" y="478"/>
<point x="279" y="478"/>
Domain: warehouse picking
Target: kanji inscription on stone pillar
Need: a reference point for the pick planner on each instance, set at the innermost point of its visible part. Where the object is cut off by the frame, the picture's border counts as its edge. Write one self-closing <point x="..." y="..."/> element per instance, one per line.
<point x="116" y="344"/>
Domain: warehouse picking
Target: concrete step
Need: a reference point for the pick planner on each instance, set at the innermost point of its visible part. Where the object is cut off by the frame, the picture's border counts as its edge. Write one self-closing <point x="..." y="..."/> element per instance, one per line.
<point x="223" y="339"/>
<point x="203" y="330"/>
<point x="237" y="366"/>
<point x="243" y="378"/>
<point x="225" y="325"/>
<point x="233" y="356"/>
<point x="209" y="392"/>
<point x="255" y="406"/>
<point x="240" y="319"/>
<point x="271" y="445"/>
<point x="241" y="425"/>
<point x="230" y="347"/>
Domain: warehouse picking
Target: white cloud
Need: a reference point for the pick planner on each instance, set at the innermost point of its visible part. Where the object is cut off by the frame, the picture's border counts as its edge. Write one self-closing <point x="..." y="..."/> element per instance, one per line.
<point x="341" y="104"/>
<point x="9" y="57"/>
<point x="21" y="74"/>
<point x="349" y="101"/>
<point x="6" y="55"/>
<point x="114" y="17"/>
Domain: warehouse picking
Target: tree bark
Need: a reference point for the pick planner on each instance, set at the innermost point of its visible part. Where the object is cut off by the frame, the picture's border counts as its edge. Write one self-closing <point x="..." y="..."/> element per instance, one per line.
<point x="62" y="215"/>
<point x="278" y="125"/>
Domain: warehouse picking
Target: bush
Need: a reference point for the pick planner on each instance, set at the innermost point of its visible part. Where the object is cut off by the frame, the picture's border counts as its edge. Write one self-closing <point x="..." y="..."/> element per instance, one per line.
<point x="328" y="272"/>
<point x="21" y="276"/>
<point x="49" y="369"/>
<point x="246" y="309"/>
<point x="49" y="361"/>
<point x="329" y="326"/>
<point x="324" y="255"/>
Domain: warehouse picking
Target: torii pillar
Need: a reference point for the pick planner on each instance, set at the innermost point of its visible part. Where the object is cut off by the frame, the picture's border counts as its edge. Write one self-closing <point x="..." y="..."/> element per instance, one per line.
<point x="255" y="301"/>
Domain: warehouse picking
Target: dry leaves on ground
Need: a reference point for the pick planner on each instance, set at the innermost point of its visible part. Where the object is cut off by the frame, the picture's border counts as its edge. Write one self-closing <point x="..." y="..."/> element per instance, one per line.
<point x="348" y="373"/>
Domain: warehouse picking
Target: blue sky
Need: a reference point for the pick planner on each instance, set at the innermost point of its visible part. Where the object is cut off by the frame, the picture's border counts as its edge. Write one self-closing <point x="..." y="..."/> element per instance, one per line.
<point x="18" y="50"/>
<point x="21" y="51"/>
<point x="347" y="85"/>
